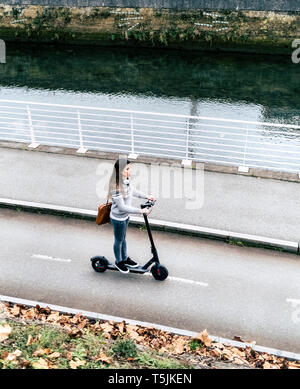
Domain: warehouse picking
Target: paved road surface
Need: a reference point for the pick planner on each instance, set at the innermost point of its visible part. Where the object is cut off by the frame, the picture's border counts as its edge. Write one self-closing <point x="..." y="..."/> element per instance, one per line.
<point x="227" y="289"/>
<point x="236" y="203"/>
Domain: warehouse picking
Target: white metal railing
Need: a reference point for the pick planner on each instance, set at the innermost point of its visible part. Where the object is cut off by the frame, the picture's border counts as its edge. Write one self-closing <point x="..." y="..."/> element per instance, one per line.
<point x="239" y="143"/>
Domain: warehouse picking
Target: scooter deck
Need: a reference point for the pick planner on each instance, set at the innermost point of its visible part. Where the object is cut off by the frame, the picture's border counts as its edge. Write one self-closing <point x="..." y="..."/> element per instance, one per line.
<point x="138" y="269"/>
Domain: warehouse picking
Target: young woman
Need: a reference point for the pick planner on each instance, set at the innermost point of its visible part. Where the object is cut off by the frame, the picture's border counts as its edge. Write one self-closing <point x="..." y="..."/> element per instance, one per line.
<point x="121" y="193"/>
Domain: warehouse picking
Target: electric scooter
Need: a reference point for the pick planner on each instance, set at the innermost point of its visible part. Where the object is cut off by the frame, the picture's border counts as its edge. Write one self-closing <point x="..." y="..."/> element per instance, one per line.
<point x="100" y="264"/>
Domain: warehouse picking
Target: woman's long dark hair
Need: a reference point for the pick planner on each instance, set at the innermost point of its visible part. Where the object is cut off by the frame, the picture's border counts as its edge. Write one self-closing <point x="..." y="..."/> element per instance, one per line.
<point x="117" y="177"/>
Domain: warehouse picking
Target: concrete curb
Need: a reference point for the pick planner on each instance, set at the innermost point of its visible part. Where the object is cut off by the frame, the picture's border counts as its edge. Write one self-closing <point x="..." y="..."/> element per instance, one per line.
<point x="179" y="228"/>
<point x="99" y="316"/>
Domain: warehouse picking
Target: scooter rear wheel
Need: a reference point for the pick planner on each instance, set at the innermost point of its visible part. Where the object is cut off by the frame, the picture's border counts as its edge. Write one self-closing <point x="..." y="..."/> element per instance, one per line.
<point x="159" y="272"/>
<point x="99" y="264"/>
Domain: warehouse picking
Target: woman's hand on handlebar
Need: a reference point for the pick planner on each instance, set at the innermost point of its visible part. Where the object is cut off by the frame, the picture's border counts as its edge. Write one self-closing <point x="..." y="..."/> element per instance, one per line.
<point x="146" y="211"/>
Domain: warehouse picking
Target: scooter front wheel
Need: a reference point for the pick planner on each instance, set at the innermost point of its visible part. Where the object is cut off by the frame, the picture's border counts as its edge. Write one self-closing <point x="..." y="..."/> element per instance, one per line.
<point x="159" y="272"/>
<point x="99" y="264"/>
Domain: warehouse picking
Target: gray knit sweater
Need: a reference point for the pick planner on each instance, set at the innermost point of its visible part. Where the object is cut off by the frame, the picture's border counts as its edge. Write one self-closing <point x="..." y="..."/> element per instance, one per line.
<point x="121" y="206"/>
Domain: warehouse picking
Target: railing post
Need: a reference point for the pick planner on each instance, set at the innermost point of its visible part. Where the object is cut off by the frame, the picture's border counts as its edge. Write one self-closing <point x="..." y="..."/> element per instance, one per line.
<point x="132" y="155"/>
<point x="187" y="161"/>
<point x="33" y="143"/>
<point x="243" y="168"/>
<point x="81" y="149"/>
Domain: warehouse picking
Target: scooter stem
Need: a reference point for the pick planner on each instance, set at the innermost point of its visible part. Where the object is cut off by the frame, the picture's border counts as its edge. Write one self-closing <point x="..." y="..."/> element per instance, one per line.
<point x="153" y="248"/>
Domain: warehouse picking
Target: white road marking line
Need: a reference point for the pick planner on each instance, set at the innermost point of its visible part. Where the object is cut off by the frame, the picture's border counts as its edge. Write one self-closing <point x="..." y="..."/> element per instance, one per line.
<point x="188" y="281"/>
<point x="40" y="256"/>
<point x="184" y="280"/>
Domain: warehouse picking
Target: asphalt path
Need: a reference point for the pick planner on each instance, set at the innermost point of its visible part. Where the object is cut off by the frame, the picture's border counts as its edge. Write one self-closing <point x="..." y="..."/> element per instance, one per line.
<point x="231" y="202"/>
<point x="229" y="290"/>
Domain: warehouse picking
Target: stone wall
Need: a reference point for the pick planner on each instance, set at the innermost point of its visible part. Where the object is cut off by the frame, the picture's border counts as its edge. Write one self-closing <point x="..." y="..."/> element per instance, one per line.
<point x="194" y="29"/>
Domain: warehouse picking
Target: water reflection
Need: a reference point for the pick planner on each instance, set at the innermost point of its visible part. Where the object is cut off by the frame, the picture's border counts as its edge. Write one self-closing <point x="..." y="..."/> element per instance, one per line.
<point x="240" y="87"/>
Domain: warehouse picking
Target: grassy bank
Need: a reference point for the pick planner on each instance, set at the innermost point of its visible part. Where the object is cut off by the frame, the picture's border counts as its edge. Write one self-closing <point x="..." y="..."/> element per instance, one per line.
<point x="42" y="346"/>
<point x="38" y="338"/>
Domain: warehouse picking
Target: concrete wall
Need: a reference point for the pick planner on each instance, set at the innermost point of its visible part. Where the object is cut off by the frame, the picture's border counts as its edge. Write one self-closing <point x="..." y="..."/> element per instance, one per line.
<point x="255" y="5"/>
<point x="191" y="29"/>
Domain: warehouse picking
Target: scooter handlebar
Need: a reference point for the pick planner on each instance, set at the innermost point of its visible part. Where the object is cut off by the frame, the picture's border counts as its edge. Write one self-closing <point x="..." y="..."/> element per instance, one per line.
<point x="148" y="204"/>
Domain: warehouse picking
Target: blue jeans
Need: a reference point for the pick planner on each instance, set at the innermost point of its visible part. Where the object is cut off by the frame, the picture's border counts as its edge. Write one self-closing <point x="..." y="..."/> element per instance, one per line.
<point x="120" y="248"/>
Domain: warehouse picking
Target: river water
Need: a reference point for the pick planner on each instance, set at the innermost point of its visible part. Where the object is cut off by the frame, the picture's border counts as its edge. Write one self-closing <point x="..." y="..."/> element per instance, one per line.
<point x="229" y="86"/>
